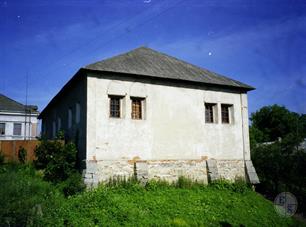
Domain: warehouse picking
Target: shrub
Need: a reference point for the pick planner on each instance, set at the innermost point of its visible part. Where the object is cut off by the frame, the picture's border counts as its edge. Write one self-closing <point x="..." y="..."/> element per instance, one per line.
<point x="22" y="154"/>
<point x="74" y="184"/>
<point x="239" y="186"/>
<point x="45" y="151"/>
<point x="57" y="159"/>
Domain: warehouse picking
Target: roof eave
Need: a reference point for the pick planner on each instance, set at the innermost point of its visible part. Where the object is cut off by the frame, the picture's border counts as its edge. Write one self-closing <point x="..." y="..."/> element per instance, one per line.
<point x="244" y="88"/>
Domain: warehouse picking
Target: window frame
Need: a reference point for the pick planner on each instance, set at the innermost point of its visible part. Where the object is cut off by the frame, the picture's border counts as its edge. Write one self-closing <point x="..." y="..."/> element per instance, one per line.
<point x="3" y="134"/>
<point x="226" y="113"/>
<point x="14" y="132"/>
<point x="112" y="112"/>
<point x="140" y="105"/>
<point x="210" y="117"/>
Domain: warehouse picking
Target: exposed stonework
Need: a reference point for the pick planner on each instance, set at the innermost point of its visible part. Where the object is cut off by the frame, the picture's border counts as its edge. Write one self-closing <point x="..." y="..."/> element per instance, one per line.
<point x="231" y="169"/>
<point x="102" y="171"/>
<point x="169" y="170"/>
<point x="212" y="170"/>
<point x="142" y="172"/>
<point x="251" y="172"/>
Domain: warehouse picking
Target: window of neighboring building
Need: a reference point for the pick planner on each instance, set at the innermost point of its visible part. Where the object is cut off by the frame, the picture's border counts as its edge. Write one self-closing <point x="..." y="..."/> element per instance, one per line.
<point x="225" y="113"/>
<point x="210" y="112"/>
<point x="2" y="128"/>
<point x="114" y="106"/>
<point x="77" y="113"/>
<point x="137" y="110"/>
<point x="17" y="129"/>
<point x="69" y="118"/>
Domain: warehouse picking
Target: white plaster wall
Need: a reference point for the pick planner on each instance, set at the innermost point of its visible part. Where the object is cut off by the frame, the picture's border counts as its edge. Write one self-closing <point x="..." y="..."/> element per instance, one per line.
<point x="174" y="126"/>
<point x="10" y="118"/>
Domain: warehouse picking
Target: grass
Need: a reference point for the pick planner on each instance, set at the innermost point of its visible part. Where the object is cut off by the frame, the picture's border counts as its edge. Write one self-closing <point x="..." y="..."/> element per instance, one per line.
<point x="128" y="203"/>
<point x="24" y="195"/>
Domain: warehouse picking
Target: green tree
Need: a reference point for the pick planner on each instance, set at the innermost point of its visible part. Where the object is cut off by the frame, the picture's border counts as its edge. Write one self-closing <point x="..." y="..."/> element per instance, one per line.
<point x="275" y="122"/>
<point x="280" y="164"/>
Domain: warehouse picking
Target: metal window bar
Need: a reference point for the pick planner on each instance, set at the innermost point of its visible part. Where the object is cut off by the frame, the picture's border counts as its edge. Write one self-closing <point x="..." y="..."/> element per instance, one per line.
<point x="115" y="107"/>
<point x="225" y="113"/>
<point x="136" y="109"/>
<point x="209" y="113"/>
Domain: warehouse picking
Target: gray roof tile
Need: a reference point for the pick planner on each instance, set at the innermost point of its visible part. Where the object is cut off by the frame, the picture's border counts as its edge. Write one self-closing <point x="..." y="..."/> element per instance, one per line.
<point x="8" y="104"/>
<point x="147" y="62"/>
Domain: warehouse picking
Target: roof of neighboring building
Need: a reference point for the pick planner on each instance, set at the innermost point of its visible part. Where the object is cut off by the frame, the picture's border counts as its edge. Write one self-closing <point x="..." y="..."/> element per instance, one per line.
<point x="9" y="105"/>
<point x="144" y="61"/>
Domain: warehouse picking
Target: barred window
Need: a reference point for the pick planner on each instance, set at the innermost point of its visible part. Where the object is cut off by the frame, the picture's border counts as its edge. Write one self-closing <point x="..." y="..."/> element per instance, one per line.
<point x="17" y="129"/>
<point x="225" y="113"/>
<point x="209" y="112"/>
<point x="2" y="128"/>
<point x="114" y="106"/>
<point x="136" y="108"/>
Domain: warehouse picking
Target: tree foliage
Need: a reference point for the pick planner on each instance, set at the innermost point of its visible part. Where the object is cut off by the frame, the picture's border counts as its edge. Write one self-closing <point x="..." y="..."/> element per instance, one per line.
<point x="273" y="122"/>
<point x="280" y="163"/>
<point x="56" y="158"/>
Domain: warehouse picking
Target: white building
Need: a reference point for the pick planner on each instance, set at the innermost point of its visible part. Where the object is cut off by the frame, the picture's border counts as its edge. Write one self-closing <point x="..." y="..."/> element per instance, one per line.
<point x="146" y="113"/>
<point x="17" y="121"/>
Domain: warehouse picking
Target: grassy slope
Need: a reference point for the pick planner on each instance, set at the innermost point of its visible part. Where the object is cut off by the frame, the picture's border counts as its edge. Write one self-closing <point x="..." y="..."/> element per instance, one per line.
<point x="22" y="188"/>
<point x="167" y="205"/>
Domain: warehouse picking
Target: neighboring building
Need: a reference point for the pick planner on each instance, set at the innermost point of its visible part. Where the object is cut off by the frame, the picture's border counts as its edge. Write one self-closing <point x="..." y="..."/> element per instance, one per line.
<point x="147" y="112"/>
<point x="17" y="121"/>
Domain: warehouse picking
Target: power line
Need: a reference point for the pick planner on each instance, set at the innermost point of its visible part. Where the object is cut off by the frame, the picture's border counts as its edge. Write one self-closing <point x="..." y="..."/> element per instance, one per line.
<point x="26" y="107"/>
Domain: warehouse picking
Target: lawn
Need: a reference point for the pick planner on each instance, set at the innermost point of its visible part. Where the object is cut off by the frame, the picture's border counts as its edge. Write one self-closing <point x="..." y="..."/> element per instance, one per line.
<point x="28" y="200"/>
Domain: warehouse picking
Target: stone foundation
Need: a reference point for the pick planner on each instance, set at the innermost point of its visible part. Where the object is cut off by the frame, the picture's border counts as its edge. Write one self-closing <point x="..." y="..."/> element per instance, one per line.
<point x="103" y="171"/>
<point x="169" y="170"/>
<point x="231" y="169"/>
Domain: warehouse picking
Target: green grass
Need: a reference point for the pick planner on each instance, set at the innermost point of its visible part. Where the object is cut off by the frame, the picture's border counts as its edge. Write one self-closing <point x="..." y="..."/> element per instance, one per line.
<point x="23" y="194"/>
<point x="130" y="204"/>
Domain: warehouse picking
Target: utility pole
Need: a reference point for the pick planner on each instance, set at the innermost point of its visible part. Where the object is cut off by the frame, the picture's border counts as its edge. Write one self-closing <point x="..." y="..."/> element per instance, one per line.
<point x="26" y="108"/>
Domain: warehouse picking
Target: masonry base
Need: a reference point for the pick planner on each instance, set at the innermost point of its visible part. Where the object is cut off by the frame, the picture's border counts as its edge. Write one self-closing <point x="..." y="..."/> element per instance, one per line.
<point x="168" y="170"/>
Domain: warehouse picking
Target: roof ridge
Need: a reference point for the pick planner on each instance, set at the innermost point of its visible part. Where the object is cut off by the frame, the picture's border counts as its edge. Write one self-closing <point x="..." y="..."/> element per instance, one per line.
<point x="115" y="56"/>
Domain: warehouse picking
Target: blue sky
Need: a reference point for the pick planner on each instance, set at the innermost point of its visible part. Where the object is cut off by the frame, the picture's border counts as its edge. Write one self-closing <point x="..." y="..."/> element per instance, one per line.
<point x="261" y="43"/>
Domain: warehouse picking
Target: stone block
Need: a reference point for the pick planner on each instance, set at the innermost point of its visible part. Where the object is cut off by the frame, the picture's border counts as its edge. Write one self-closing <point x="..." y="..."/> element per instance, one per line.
<point x="91" y="166"/>
<point x="212" y="169"/>
<point x="231" y="169"/>
<point x="251" y="172"/>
